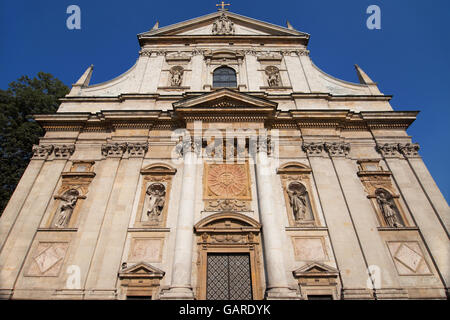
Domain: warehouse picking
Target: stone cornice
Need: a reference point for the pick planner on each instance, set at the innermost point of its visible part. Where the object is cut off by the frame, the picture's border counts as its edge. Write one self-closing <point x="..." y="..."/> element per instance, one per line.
<point x="175" y="97"/>
<point x="139" y="119"/>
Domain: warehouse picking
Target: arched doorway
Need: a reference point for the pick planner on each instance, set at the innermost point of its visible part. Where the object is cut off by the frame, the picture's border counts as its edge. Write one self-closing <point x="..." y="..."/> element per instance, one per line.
<point x="229" y="257"/>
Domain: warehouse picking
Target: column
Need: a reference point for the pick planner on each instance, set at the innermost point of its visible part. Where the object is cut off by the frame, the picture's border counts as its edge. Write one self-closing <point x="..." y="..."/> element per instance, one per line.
<point x="277" y="285"/>
<point x="180" y="287"/>
<point x="349" y="257"/>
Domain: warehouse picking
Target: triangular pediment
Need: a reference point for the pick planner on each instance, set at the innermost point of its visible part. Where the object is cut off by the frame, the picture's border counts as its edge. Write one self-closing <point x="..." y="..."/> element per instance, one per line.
<point x="315" y="269"/>
<point x="203" y="26"/>
<point x="141" y="269"/>
<point x="224" y="98"/>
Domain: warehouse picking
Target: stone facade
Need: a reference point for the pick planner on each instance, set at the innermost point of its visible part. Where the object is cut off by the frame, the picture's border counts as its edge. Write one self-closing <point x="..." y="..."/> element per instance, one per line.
<point x="139" y="180"/>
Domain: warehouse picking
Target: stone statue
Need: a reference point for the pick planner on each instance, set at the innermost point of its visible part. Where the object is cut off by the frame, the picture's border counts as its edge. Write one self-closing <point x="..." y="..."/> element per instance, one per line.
<point x="176" y="76"/>
<point x="297" y="199"/>
<point x="388" y="208"/>
<point x="273" y="76"/>
<point x="68" y="201"/>
<point x="223" y="26"/>
<point x="157" y="194"/>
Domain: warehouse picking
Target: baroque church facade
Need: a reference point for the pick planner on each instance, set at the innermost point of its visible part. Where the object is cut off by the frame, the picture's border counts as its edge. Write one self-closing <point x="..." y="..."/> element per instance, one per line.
<point x="225" y="165"/>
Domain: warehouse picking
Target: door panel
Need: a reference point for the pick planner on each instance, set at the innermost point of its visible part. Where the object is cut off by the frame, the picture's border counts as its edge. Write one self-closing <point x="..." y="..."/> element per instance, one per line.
<point x="228" y="277"/>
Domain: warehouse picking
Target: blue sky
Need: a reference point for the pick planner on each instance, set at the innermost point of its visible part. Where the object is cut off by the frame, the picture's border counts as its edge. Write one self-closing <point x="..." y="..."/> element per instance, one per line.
<point x="408" y="57"/>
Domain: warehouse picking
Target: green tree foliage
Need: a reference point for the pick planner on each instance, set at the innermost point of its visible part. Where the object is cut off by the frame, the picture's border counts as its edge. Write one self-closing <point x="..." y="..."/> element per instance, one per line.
<point x="18" y="130"/>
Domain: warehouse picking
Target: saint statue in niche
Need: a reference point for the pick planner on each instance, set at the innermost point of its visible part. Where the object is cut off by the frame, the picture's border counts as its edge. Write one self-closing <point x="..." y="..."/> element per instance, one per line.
<point x="298" y="199"/>
<point x="157" y="194"/>
<point x="388" y="208"/>
<point x="68" y="201"/>
<point x="273" y="76"/>
<point x="176" y="76"/>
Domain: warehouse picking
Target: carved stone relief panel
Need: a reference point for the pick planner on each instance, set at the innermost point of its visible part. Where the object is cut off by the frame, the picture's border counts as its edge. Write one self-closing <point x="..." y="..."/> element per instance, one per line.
<point x="223" y="26"/>
<point x="154" y="196"/>
<point x="47" y="259"/>
<point x="273" y="76"/>
<point x="226" y="187"/>
<point x="408" y="258"/>
<point x="146" y="249"/>
<point x="310" y="249"/>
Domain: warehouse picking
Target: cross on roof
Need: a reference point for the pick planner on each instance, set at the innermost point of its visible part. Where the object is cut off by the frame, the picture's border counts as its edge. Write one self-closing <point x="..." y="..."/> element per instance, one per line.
<point x="222" y="4"/>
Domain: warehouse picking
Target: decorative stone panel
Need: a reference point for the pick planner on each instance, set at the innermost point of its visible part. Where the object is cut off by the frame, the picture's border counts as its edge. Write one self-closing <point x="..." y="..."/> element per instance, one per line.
<point x="146" y="249"/>
<point x="408" y="258"/>
<point x="310" y="249"/>
<point x="47" y="259"/>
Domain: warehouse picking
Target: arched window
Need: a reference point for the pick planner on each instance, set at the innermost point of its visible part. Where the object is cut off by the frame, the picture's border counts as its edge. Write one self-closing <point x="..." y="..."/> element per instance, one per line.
<point x="224" y="77"/>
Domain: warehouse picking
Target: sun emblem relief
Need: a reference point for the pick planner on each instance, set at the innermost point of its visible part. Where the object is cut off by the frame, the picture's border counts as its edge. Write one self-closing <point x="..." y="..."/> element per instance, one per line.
<point x="226" y="181"/>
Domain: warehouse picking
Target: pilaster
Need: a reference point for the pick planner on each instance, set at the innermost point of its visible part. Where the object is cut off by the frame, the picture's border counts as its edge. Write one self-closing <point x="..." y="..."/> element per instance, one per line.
<point x="349" y="256"/>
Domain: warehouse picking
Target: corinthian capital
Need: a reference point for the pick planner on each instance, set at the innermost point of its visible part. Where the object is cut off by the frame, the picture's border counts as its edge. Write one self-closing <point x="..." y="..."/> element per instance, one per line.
<point x="337" y="149"/>
<point x="388" y="150"/>
<point x="137" y="149"/>
<point x="114" y="150"/>
<point x="63" y="151"/>
<point x="313" y="149"/>
<point x="41" y="152"/>
<point x="409" y="150"/>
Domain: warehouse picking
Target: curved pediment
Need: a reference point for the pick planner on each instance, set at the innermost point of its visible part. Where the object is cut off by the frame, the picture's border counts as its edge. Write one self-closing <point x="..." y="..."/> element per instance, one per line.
<point x="227" y="222"/>
<point x="293" y="168"/>
<point x="159" y="168"/>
